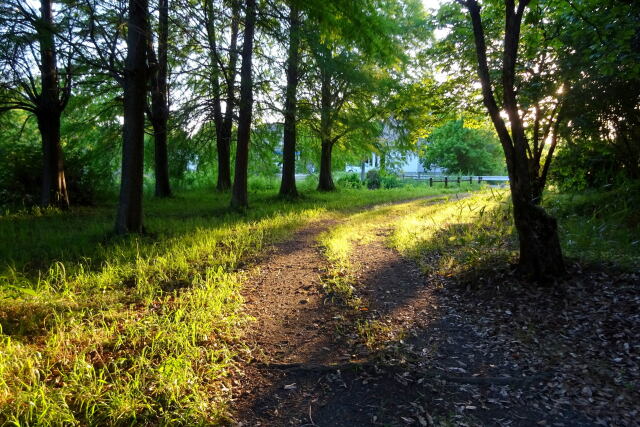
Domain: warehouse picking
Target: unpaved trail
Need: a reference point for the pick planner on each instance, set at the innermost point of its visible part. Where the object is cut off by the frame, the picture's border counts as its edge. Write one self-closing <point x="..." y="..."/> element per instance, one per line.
<point x="293" y="325"/>
<point x="310" y="366"/>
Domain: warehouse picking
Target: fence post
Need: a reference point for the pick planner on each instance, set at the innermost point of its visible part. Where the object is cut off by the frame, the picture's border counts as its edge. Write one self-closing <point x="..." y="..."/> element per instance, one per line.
<point x="479" y="179"/>
<point x="458" y="180"/>
<point x="446" y="181"/>
<point x="470" y="180"/>
<point x="418" y="176"/>
<point x="430" y="181"/>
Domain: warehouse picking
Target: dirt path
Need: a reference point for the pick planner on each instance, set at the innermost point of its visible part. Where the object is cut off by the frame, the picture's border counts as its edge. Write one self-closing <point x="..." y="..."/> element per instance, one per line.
<point x="415" y="360"/>
<point x="293" y="325"/>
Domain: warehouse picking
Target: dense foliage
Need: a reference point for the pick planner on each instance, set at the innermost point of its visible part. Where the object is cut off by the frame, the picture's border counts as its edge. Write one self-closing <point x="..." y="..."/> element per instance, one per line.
<point x="461" y="149"/>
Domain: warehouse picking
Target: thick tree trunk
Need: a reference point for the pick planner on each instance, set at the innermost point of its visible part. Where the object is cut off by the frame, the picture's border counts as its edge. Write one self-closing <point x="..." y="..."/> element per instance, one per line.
<point x="129" y="217"/>
<point x="160" y="105"/>
<point x="540" y="251"/>
<point x="239" y="197"/>
<point x="288" y="184"/>
<point x="325" y="181"/>
<point x="54" y="188"/>
<point x="225" y="130"/>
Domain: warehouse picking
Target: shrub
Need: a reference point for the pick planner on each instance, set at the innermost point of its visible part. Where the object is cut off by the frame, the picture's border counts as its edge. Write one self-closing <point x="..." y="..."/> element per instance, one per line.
<point x="389" y="181"/>
<point x="373" y="179"/>
<point x="584" y="165"/>
<point x="349" y="180"/>
<point x="21" y="176"/>
<point x="258" y="182"/>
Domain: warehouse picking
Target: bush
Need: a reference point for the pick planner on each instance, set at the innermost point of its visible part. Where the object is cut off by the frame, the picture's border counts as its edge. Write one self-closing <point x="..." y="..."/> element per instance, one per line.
<point x="373" y="179"/>
<point x="258" y="183"/>
<point x="310" y="182"/>
<point x="349" y="180"/>
<point x="21" y="176"/>
<point x="584" y="165"/>
<point x="389" y="181"/>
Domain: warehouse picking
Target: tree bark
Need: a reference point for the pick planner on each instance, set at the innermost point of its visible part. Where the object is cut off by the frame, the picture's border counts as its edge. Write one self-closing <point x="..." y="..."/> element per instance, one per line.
<point x="325" y="182"/>
<point x="222" y="146"/>
<point x="49" y="110"/>
<point x="239" y="197"/>
<point x="160" y="104"/>
<point x="540" y="251"/>
<point x="129" y="216"/>
<point x="288" y="184"/>
<point x="224" y="149"/>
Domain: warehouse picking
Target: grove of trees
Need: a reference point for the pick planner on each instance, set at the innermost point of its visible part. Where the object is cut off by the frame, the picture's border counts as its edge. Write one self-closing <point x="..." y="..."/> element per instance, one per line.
<point x="100" y="93"/>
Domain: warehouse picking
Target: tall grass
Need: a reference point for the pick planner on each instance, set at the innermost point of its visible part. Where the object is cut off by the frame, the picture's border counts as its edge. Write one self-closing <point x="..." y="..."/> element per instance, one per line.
<point x="600" y="225"/>
<point x="98" y="329"/>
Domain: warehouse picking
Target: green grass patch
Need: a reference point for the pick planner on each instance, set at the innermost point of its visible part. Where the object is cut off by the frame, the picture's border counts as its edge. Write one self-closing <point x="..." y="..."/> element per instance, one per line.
<point x="477" y="234"/>
<point x="146" y="329"/>
<point x="600" y="226"/>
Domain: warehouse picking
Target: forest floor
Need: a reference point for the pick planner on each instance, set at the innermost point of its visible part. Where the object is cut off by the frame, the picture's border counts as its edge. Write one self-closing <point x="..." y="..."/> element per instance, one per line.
<point x="353" y="328"/>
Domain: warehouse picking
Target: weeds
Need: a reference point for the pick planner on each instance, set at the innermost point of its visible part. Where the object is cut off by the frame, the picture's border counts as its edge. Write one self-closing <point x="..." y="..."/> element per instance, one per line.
<point x="105" y="330"/>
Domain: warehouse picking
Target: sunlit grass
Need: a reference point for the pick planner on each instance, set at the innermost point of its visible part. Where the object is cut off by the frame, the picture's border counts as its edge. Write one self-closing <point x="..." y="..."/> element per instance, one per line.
<point x="357" y="228"/>
<point x="457" y="236"/>
<point x="98" y="329"/>
<point x="341" y="242"/>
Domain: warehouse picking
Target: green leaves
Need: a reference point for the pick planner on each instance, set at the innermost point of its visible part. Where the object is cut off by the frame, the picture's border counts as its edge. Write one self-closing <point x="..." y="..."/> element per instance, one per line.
<point x="464" y="149"/>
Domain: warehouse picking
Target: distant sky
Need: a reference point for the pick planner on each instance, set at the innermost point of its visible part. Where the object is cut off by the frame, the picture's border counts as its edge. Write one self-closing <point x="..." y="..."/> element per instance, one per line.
<point x="431" y="4"/>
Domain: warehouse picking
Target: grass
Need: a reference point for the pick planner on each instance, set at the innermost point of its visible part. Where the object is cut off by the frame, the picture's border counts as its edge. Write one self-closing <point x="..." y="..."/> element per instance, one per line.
<point x="475" y="234"/>
<point x="358" y="228"/>
<point x="600" y="225"/>
<point x="459" y="236"/>
<point x="340" y="281"/>
<point x="98" y="329"/>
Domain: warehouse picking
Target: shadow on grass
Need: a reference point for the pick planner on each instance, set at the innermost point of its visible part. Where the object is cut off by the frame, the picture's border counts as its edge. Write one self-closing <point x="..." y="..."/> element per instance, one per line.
<point x="433" y="362"/>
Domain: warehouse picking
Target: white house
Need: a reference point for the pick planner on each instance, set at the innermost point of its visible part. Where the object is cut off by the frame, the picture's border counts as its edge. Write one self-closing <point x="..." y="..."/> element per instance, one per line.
<point x="399" y="161"/>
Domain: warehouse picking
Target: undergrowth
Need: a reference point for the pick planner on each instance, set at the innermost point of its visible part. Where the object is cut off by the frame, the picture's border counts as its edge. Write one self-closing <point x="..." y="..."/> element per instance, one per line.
<point x="600" y="226"/>
<point x="98" y="329"/>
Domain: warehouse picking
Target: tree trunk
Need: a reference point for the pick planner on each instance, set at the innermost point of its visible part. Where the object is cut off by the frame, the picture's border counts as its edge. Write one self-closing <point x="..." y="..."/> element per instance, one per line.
<point x="239" y="198"/>
<point x="49" y="110"/>
<point x="54" y="186"/>
<point x="222" y="145"/>
<point x="129" y="217"/>
<point x="160" y="104"/>
<point x="288" y="184"/>
<point x="325" y="182"/>
<point x="540" y="251"/>
<point x="224" y="149"/>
